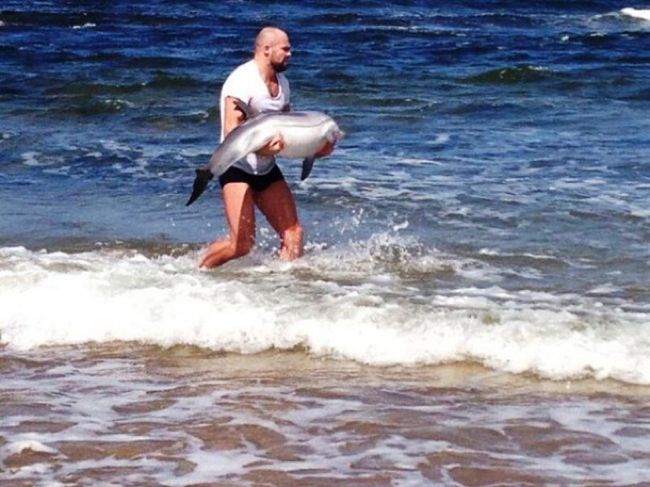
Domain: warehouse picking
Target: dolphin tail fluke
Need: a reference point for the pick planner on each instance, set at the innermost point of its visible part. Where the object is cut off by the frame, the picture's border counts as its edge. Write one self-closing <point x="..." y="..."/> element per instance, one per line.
<point x="203" y="177"/>
<point x="307" y="165"/>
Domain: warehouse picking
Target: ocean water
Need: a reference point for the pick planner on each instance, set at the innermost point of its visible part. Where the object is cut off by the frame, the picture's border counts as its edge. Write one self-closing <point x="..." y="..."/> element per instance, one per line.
<point x="473" y="307"/>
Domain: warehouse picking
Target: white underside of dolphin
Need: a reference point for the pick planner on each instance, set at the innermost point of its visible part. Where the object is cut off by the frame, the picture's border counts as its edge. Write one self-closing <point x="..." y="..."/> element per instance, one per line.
<point x="304" y="134"/>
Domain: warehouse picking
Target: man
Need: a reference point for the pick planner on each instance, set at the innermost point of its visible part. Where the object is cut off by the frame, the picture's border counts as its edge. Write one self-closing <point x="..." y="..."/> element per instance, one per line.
<point x="257" y="181"/>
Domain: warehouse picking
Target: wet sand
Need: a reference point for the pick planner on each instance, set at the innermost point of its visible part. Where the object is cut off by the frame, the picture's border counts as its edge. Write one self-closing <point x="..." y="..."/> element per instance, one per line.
<point x="134" y="415"/>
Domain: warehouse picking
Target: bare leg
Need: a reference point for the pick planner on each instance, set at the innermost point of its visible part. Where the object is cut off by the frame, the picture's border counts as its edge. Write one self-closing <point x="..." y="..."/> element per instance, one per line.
<point x="240" y="212"/>
<point x="279" y="207"/>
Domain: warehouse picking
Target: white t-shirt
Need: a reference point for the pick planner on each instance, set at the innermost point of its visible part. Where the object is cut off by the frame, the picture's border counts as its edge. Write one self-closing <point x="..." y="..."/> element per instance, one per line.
<point x="246" y="84"/>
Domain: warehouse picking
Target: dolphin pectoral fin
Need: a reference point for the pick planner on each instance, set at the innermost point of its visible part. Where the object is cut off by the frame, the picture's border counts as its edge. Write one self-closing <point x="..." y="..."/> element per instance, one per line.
<point x="203" y="177"/>
<point x="248" y="111"/>
<point x="307" y="165"/>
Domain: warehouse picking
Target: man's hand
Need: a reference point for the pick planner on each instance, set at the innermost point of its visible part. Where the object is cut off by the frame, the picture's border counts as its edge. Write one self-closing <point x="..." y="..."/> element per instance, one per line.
<point x="326" y="149"/>
<point x="275" y="145"/>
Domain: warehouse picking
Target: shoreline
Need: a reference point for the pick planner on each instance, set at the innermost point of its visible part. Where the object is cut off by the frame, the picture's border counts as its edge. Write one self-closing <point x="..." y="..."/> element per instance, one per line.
<point x="117" y="413"/>
<point x="181" y="360"/>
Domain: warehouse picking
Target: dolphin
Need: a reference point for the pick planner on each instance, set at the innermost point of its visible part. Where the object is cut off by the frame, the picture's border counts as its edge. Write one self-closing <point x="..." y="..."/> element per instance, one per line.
<point x="304" y="133"/>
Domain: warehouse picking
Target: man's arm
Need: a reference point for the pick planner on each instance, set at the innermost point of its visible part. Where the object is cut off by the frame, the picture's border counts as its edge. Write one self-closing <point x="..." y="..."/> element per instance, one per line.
<point x="326" y="149"/>
<point x="232" y="115"/>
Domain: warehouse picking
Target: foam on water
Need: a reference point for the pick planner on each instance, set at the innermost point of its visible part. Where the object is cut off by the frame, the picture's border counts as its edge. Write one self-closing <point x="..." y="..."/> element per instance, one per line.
<point x="339" y="430"/>
<point x="363" y="305"/>
<point x="643" y="14"/>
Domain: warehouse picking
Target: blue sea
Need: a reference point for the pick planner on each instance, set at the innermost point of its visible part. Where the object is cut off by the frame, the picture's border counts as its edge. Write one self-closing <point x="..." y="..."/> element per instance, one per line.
<point x="473" y="305"/>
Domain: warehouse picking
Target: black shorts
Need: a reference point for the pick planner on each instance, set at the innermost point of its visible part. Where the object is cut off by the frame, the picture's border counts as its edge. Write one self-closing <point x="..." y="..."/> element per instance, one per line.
<point x="256" y="182"/>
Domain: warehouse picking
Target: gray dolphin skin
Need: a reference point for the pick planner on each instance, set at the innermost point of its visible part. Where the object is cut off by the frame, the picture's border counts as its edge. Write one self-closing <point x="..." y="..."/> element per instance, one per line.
<point x="304" y="134"/>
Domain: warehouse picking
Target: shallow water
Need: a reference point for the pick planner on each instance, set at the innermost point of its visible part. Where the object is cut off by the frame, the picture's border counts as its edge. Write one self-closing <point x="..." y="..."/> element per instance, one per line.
<point x="472" y="307"/>
<point x="185" y="416"/>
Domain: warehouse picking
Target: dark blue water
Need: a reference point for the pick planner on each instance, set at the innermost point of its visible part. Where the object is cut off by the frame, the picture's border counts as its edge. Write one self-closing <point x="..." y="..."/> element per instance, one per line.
<point x="498" y="153"/>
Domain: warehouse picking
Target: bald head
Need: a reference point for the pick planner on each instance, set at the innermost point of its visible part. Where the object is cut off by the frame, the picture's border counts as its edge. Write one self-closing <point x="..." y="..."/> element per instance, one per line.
<point x="268" y="36"/>
<point x="272" y="48"/>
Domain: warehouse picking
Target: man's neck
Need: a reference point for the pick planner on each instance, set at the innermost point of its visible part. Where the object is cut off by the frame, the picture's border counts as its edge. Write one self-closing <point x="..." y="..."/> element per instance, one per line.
<point x="266" y="71"/>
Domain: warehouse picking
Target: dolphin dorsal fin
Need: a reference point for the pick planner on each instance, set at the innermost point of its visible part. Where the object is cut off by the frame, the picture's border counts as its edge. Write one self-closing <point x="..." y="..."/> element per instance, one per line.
<point x="248" y="111"/>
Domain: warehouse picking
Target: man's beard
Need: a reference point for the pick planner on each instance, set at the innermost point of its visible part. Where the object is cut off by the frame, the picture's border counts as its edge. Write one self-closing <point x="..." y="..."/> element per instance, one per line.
<point x="280" y="67"/>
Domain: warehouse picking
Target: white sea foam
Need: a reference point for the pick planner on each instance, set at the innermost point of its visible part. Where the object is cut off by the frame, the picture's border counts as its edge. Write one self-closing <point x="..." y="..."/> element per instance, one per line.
<point x="362" y="308"/>
<point x="31" y="159"/>
<point x="17" y="447"/>
<point x="643" y="14"/>
<point x="319" y="425"/>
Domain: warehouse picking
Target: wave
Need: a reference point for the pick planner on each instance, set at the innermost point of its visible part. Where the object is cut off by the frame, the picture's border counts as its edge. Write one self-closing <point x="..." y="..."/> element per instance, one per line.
<point x="164" y="81"/>
<point x="91" y="98"/>
<point x="174" y="120"/>
<point x="512" y="75"/>
<point x="89" y="88"/>
<point x="91" y="108"/>
<point x="44" y="18"/>
<point x="160" y="81"/>
<point x="643" y="14"/>
<point x="586" y="82"/>
<point x="379" y="303"/>
<point x="79" y="18"/>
